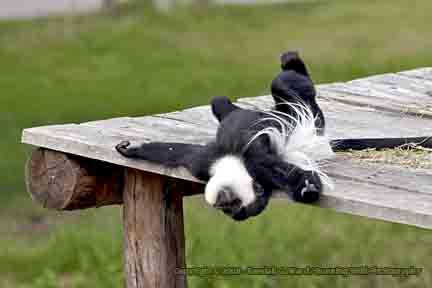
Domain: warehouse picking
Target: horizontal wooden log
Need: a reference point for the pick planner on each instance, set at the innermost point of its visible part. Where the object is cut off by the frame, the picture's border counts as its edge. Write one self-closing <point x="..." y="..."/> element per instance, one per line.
<point x="65" y="182"/>
<point x="62" y="181"/>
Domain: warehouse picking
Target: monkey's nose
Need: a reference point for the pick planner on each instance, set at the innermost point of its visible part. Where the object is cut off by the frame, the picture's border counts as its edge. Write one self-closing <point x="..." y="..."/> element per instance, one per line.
<point x="227" y="200"/>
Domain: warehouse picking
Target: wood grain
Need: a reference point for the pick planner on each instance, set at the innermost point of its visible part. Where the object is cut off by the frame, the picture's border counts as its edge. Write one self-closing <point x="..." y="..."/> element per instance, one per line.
<point x="153" y="231"/>
<point x="420" y="73"/>
<point x="65" y="182"/>
<point x="408" y="92"/>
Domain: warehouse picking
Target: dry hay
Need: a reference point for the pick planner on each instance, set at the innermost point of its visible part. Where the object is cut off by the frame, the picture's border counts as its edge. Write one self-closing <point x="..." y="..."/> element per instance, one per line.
<point x="409" y="155"/>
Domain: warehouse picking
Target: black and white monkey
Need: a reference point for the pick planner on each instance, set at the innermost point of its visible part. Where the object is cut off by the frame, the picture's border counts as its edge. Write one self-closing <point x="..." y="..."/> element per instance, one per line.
<point x="257" y="152"/>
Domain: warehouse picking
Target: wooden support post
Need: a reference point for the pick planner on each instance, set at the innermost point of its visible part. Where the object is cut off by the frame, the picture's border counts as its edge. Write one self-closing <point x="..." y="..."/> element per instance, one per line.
<point x="154" y="234"/>
<point x="153" y="209"/>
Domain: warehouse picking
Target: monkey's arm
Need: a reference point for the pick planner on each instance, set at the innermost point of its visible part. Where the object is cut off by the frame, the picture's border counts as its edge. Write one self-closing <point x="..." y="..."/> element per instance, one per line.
<point x="196" y="158"/>
<point x="275" y="174"/>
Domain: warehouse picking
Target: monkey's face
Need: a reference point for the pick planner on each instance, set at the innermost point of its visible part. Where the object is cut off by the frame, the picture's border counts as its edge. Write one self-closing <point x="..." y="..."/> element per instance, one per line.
<point x="232" y="205"/>
<point x="232" y="189"/>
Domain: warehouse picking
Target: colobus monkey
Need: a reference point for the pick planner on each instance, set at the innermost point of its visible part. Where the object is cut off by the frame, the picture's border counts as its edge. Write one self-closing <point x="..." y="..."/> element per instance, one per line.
<point x="257" y="152"/>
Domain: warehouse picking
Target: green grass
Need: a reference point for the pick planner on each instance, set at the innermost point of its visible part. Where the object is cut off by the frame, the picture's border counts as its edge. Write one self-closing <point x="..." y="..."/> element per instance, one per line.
<point x="75" y="69"/>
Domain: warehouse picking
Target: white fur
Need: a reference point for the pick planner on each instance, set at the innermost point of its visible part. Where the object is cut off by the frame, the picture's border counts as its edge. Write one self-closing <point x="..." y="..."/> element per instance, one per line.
<point x="297" y="140"/>
<point x="230" y="171"/>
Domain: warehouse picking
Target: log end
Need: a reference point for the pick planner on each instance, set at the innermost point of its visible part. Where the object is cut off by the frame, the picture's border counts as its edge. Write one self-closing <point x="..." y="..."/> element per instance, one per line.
<point x="65" y="182"/>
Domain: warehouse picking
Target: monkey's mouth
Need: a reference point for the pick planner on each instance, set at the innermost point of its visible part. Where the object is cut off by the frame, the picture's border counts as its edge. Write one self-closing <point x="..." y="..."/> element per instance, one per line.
<point x="239" y="212"/>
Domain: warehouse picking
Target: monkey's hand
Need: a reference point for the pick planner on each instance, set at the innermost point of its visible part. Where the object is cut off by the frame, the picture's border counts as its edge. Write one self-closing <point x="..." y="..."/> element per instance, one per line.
<point x="308" y="188"/>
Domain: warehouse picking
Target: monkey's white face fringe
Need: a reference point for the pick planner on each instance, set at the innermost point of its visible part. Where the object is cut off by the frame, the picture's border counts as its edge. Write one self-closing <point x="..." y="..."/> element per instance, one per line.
<point x="297" y="141"/>
<point x="230" y="171"/>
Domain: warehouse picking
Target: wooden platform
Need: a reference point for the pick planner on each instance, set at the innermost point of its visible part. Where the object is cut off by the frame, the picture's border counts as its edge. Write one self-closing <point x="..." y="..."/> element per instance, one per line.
<point x="390" y="105"/>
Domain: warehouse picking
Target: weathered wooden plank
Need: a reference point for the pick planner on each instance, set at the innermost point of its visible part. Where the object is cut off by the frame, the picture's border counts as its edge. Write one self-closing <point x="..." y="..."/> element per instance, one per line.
<point x="147" y="123"/>
<point x="420" y="86"/>
<point x="422" y="73"/>
<point x="378" y="85"/>
<point x="343" y="120"/>
<point x="345" y="166"/>
<point x="201" y="116"/>
<point x="379" y="202"/>
<point x="341" y="92"/>
<point x="96" y="143"/>
<point x="355" y="92"/>
<point x="389" y="92"/>
<point x="348" y="121"/>
<point x="153" y="128"/>
<point x="361" y="96"/>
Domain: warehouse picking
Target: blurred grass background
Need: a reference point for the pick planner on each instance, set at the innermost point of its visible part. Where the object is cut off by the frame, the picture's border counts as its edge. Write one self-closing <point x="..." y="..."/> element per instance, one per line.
<point x="81" y="68"/>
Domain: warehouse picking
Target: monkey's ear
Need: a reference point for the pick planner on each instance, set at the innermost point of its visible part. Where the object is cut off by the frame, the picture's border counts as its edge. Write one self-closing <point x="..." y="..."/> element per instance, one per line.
<point x="222" y="106"/>
<point x="196" y="158"/>
<point x="291" y="61"/>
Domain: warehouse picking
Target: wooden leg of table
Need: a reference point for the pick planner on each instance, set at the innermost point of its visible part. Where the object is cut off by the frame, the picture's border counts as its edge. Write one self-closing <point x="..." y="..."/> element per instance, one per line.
<point x="153" y="230"/>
